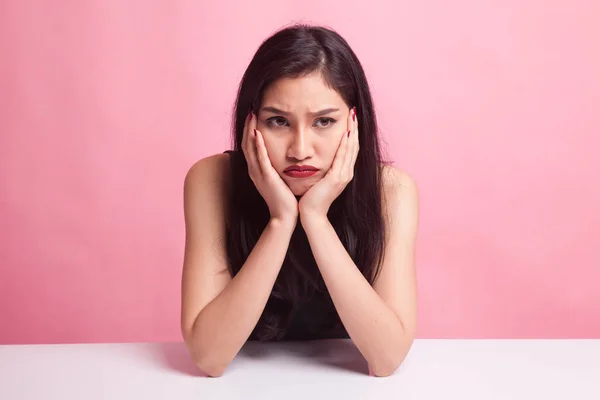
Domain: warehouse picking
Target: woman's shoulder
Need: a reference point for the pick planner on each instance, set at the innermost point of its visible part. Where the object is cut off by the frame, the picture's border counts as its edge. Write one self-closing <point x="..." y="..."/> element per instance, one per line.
<point x="216" y="165"/>
<point x="400" y="191"/>
<point x="395" y="179"/>
<point x="209" y="174"/>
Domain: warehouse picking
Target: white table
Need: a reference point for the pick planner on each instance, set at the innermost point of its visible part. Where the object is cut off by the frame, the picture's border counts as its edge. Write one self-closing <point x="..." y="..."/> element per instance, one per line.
<point x="433" y="369"/>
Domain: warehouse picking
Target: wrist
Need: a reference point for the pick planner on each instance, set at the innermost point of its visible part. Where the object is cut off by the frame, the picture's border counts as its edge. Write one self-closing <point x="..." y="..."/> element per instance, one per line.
<point x="306" y="211"/>
<point x="313" y="219"/>
<point x="286" y="223"/>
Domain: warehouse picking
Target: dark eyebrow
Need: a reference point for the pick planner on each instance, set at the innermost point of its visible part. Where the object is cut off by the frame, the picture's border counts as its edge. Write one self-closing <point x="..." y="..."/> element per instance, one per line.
<point x="316" y="114"/>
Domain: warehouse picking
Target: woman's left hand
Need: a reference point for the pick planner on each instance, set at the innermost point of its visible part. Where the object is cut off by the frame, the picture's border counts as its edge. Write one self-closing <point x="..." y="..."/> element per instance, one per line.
<point x="317" y="200"/>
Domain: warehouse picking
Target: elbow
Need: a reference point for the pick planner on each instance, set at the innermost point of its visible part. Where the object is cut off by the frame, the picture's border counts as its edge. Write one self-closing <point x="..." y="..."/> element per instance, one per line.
<point x="390" y="362"/>
<point x="384" y="369"/>
<point x="206" y="362"/>
<point x="209" y="364"/>
<point x="213" y="370"/>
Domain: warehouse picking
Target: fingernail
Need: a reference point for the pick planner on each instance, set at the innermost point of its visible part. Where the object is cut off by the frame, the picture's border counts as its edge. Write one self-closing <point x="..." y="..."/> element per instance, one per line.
<point x="348" y="133"/>
<point x="353" y="113"/>
<point x="255" y="133"/>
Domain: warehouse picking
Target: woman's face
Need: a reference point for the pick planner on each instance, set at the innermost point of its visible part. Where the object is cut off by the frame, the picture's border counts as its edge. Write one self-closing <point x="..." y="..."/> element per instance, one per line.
<point x="302" y="122"/>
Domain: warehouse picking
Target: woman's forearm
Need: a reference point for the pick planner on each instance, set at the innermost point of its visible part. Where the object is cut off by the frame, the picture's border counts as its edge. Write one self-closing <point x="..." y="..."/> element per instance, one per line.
<point x="374" y="327"/>
<point x="224" y="325"/>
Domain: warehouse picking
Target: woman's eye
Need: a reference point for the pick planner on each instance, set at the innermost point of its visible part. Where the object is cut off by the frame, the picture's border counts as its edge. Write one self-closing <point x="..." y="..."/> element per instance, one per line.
<point x="280" y="121"/>
<point x="327" y="122"/>
<point x="276" y="121"/>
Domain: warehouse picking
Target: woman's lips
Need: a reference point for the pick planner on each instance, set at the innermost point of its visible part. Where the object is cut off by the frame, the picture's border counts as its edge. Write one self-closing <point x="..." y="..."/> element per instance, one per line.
<point x="300" y="171"/>
<point x="300" y="174"/>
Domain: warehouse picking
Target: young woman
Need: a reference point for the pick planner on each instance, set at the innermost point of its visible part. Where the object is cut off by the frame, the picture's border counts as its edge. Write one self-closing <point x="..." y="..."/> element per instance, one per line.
<point x="300" y="232"/>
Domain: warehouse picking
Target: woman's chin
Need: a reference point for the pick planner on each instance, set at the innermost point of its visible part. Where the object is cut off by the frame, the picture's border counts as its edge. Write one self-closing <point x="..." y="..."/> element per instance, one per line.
<point x="299" y="192"/>
<point x="298" y="189"/>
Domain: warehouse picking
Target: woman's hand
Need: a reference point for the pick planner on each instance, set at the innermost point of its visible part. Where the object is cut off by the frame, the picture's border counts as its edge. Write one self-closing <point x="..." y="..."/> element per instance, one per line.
<point x="317" y="200"/>
<point x="279" y="198"/>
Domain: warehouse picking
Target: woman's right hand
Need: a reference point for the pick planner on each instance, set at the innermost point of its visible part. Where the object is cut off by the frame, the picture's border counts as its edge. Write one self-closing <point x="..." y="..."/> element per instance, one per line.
<point x="279" y="198"/>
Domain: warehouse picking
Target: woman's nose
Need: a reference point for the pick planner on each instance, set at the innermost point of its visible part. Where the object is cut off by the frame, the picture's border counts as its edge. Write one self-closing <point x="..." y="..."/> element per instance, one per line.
<point x="300" y="147"/>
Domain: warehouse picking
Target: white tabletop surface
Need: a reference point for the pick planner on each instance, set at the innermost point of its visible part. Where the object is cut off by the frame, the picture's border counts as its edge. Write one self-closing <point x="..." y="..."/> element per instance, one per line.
<point x="433" y="369"/>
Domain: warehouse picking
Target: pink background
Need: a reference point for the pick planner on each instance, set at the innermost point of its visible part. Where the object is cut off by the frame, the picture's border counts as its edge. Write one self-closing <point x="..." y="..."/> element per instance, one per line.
<point x="104" y="105"/>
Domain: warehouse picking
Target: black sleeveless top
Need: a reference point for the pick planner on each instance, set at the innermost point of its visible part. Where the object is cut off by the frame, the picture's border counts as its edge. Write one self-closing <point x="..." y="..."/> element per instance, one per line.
<point x="314" y="318"/>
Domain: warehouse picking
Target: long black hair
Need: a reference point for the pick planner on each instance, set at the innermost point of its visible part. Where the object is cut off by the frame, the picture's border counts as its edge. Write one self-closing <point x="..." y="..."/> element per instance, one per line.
<point x="356" y="215"/>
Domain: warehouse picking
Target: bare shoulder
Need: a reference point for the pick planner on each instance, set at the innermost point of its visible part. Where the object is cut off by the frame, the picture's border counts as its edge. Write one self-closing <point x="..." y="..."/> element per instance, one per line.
<point x="398" y="182"/>
<point x="212" y="170"/>
<point x="401" y="197"/>
<point x="205" y="196"/>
